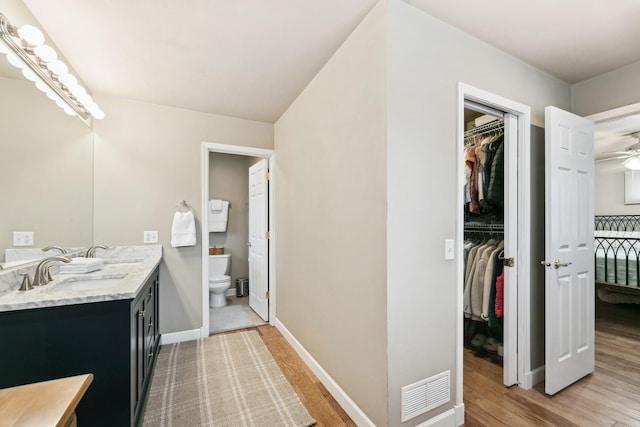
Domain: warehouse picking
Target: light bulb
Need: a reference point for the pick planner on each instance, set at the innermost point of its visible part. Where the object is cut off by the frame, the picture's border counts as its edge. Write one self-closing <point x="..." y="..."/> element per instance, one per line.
<point x="58" y="67"/>
<point x="46" y="53"/>
<point x="68" y="80"/>
<point x="42" y="86"/>
<point x="632" y="163"/>
<point x="29" y="74"/>
<point x="99" y="114"/>
<point x="69" y="110"/>
<point x="92" y="107"/>
<point x="31" y="35"/>
<point x="77" y="91"/>
<point x="15" y="61"/>
<point x="3" y="47"/>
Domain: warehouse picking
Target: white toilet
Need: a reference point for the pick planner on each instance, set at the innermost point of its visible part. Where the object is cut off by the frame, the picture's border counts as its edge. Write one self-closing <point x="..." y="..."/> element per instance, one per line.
<point x="219" y="279"/>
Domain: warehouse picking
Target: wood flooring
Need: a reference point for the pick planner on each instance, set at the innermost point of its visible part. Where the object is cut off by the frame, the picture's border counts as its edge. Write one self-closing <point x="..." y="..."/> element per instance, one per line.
<point x="313" y="395"/>
<point x="608" y="397"/>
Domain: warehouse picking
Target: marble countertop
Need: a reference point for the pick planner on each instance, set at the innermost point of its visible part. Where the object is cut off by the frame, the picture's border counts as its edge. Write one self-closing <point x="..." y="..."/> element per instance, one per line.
<point x="130" y="271"/>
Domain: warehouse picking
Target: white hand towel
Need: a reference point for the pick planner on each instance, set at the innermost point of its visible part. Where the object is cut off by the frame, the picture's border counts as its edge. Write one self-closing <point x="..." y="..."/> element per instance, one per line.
<point x="183" y="229"/>
<point x="218" y="220"/>
<point x="215" y="205"/>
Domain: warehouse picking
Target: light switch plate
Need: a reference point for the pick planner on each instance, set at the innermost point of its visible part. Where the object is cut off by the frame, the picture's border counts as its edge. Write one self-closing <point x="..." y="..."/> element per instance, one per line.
<point x="448" y="249"/>
<point x="23" y="238"/>
<point x="150" y="237"/>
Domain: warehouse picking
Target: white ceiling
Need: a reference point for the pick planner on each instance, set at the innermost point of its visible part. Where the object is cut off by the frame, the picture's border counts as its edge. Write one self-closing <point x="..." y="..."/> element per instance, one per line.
<point x="251" y="58"/>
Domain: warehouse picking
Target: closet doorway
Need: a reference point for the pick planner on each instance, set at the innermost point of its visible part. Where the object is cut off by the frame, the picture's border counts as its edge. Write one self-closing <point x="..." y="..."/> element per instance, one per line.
<point x="504" y="232"/>
<point x="266" y="158"/>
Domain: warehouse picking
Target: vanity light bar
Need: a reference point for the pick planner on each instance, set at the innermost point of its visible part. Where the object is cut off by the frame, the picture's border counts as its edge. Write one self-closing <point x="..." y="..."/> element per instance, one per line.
<point x="25" y="49"/>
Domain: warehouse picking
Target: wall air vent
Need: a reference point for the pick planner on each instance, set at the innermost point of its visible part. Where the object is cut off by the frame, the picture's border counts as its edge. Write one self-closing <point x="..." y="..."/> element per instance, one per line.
<point x="425" y="395"/>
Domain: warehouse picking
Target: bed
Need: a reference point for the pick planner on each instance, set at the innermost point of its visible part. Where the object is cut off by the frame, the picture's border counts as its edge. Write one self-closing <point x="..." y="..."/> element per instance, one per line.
<point x="617" y="258"/>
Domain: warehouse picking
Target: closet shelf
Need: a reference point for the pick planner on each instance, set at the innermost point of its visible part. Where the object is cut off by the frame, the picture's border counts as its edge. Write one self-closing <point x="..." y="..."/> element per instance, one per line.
<point x="483" y="226"/>
<point x="494" y="126"/>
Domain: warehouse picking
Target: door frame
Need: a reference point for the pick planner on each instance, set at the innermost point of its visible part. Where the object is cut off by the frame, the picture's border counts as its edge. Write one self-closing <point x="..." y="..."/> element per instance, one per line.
<point x="523" y="116"/>
<point x="270" y="155"/>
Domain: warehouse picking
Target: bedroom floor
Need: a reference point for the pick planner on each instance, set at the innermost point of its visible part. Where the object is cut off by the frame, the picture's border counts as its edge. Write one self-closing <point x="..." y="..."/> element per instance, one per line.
<point x="608" y="397"/>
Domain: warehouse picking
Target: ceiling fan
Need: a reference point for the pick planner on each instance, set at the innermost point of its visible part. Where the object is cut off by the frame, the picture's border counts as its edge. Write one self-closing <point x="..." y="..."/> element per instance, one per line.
<point x="631" y="154"/>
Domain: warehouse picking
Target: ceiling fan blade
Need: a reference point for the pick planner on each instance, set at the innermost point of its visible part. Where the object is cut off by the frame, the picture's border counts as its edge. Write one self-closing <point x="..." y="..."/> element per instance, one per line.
<point x="628" y="153"/>
<point x="612" y="158"/>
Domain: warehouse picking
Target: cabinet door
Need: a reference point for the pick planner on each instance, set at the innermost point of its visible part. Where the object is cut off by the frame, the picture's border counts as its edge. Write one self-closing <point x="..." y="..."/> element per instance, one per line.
<point x="149" y="326"/>
<point x="138" y="320"/>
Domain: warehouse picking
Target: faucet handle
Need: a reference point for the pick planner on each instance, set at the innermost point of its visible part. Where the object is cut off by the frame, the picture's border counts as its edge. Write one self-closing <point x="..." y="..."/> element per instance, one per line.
<point x="47" y="274"/>
<point x="26" y="282"/>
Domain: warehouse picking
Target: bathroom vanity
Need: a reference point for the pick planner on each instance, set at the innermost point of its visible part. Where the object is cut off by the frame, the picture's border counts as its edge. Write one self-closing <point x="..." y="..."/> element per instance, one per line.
<point x="104" y="323"/>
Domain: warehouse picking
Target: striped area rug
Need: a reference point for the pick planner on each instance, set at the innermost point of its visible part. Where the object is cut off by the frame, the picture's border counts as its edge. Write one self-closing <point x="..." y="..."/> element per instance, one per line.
<point x="223" y="380"/>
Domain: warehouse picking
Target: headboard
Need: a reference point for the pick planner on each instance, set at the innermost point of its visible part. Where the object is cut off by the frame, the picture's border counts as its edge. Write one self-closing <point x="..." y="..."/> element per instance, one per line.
<point x="617" y="222"/>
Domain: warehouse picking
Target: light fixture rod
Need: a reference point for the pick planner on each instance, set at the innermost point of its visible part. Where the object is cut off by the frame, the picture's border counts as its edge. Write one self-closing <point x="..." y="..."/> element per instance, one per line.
<point x="7" y="34"/>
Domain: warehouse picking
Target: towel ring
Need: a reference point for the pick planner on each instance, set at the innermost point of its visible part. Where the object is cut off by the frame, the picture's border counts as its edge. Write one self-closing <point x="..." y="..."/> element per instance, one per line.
<point x="183" y="205"/>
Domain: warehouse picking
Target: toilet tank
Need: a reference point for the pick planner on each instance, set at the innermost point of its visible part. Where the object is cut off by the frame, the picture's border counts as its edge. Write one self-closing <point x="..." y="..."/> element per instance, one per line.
<point x="219" y="265"/>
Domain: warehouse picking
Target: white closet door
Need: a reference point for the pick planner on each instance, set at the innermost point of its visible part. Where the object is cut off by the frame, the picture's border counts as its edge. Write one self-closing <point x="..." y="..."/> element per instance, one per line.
<point x="569" y="266"/>
<point x="510" y="357"/>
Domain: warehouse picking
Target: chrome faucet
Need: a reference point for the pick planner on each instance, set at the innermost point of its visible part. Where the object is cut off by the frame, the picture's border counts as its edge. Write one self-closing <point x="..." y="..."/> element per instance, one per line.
<point x="40" y="277"/>
<point x="62" y="250"/>
<point x="91" y="252"/>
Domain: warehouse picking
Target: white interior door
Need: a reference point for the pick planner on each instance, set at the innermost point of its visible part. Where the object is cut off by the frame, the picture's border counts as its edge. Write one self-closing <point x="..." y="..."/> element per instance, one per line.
<point x="510" y="338"/>
<point x="258" y="240"/>
<point x="569" y="267"/>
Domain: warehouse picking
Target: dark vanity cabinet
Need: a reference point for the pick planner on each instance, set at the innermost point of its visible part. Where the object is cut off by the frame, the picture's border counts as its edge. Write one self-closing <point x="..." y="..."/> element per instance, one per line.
<point x="144" y="342"/>
<point x="117" y="341"/>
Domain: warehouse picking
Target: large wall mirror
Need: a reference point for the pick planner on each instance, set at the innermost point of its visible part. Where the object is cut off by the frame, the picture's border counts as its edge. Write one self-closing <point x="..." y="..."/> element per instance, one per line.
<point x="46" y="170"/>
<point x="46" y="160"/>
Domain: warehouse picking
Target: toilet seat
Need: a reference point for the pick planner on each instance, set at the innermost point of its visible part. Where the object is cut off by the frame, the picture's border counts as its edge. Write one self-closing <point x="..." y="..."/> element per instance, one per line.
<point x="216" y="280"/>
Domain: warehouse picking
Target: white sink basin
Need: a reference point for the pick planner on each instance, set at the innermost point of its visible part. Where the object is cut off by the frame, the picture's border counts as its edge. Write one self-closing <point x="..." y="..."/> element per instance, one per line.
<point x="91" y="283"/>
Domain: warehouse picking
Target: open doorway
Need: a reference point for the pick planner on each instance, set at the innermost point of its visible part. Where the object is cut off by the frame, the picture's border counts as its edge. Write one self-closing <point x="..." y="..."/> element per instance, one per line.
<point x="516" y="229"/>
<point x="226" y="180"/>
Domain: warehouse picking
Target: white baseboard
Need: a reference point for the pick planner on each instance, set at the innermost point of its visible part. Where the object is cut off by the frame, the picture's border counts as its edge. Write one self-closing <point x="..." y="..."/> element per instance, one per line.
<point x="446" y="419"/>
<point x="459" y="414"/>
<point x="181" y="336"/>
<point x="343" y="399"/>
<point x="532" y="378"/>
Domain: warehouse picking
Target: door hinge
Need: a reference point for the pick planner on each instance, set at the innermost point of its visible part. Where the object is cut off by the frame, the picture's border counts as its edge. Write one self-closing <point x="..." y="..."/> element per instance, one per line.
<point x="267" y="176"/>
<point x="267" y="235"/>
<point x="266" y="295"/>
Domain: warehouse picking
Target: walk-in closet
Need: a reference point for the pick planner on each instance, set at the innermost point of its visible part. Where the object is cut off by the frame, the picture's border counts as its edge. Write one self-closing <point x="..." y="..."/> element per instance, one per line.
<point x="484" y="237"/>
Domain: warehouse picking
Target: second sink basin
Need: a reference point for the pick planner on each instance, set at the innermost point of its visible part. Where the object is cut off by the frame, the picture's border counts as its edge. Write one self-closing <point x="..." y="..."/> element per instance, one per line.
<point x="91" y="282"/>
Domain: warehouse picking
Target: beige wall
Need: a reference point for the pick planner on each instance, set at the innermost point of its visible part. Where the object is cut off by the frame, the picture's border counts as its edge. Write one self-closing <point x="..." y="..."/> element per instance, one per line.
<point x="229" y="180"/>
<point x="46" y="169"/>
<point x="427" y="59"/>
<point x="611" y="90"/>
<point x="331" y="202"/>
<point x="147" y="159"/>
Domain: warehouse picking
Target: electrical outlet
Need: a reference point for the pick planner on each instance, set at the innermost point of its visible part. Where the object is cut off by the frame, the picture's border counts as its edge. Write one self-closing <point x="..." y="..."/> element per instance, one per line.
<point x="150" y="237"/>
<point x="23" y="238"/>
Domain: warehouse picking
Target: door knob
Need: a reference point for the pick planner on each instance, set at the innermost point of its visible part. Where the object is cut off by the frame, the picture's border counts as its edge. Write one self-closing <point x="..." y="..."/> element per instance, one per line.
<point x="556" y="264"/>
